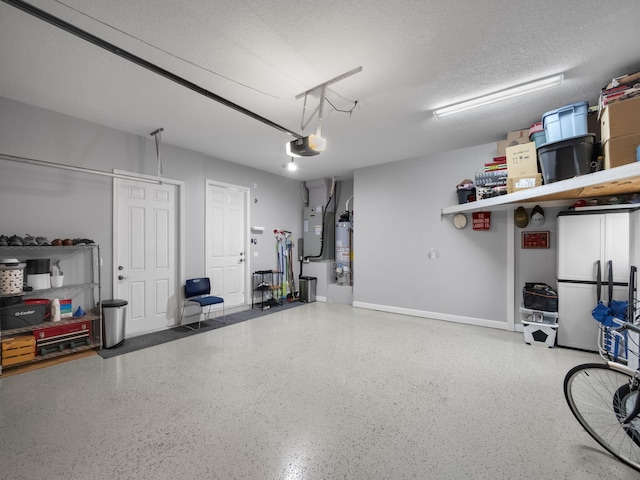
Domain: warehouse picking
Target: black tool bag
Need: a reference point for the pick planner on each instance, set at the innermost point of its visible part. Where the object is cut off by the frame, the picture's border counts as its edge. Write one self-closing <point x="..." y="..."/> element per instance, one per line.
<point x="540" y="296"/>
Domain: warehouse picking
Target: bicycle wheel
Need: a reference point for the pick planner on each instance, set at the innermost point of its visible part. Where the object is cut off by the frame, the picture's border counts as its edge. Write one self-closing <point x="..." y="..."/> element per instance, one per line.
<point x="623" y="402"/>
<point x="599" y="398"/>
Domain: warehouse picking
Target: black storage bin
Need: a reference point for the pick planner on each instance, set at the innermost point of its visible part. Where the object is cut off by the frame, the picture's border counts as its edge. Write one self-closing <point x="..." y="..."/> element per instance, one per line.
<point x="567" y="158"/>
<point x="38" y="266"/>
<point x="22" y="315"/>
<point x="466" y="195"/>
<point x="540" y="296"/>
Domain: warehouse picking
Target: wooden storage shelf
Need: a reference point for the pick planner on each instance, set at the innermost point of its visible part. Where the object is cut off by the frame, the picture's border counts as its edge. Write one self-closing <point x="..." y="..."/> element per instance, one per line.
<point x="621" y="180"/>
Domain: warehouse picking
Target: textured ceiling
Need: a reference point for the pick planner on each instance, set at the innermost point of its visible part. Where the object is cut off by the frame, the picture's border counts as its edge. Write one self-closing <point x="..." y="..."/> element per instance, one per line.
<point x="416" y="56"/>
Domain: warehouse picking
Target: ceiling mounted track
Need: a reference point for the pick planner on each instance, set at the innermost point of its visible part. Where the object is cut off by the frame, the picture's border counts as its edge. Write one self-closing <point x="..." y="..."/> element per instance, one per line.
<point x="329" y="82"/>
<point x="78" y="32"/>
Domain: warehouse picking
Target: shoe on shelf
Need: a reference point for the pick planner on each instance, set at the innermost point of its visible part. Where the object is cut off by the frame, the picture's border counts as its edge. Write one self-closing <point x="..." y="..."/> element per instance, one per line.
<point x="83" y="241"/>
<point x="4" y="241"/>
<point x="43" y="242"/>
<point x="15" y="241"/>
<point x="67" y="242"/>
<point x="29" y="241"/>
<point x="57" y="242"/>
<point x="263" y="286"/>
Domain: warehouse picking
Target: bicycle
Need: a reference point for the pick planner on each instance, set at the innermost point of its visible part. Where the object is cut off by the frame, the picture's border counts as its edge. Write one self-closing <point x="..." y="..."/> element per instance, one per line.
<point x="605" y="397"/>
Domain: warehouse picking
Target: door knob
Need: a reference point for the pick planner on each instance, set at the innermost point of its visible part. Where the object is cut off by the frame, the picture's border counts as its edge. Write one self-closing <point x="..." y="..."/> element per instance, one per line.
<point x="120" y="277"/>
<point x="241" y="260"/>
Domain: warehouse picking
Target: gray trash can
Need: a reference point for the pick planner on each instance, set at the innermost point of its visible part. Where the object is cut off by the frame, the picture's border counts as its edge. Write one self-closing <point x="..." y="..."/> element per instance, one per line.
<point x="308" y="289"/>
<point x="114" y="313"/>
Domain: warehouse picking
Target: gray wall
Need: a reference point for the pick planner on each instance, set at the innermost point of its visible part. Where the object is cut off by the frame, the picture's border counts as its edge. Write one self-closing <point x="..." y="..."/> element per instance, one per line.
<point x="60" y="204"/>
<point x="398" y="222"/>
<point x="536" y="265"/>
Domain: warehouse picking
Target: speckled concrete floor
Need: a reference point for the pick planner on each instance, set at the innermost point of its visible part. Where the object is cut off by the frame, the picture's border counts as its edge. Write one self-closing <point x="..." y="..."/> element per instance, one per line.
<point x="323" y="391"/>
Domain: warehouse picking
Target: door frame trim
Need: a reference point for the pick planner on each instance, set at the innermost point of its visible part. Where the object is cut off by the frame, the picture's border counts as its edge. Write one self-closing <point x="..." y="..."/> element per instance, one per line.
<point x="180" y="231"/>
<point x="246" y="192"/>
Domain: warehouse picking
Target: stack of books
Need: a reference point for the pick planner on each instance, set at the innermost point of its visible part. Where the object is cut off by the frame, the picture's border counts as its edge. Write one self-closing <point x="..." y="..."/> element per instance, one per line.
<point x="492" y="181"/>
<point x="620" y="88"/>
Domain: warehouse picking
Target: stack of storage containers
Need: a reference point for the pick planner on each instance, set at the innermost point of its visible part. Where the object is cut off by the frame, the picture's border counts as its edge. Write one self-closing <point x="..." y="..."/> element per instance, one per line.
<point x="620" y="131"/>
<point x="568" y="151"/>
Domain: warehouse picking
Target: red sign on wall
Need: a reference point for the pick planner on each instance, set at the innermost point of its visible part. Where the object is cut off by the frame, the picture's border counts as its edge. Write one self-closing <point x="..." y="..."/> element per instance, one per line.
<point x="481" y="220"/>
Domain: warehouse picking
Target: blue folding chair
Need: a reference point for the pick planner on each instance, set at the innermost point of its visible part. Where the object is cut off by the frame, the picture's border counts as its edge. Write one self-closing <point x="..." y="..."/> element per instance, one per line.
<point x="197" y="291"/>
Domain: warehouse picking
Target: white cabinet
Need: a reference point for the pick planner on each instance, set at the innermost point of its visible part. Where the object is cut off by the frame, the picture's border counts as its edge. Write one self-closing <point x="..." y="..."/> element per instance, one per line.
<point x="586" y="240"/>
<point x="81" y="288"/>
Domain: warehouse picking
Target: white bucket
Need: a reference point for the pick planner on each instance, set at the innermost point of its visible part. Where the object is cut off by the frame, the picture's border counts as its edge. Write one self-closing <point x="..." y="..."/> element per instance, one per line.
<point x="11" y="276"/>
<point x="39" y="281"/>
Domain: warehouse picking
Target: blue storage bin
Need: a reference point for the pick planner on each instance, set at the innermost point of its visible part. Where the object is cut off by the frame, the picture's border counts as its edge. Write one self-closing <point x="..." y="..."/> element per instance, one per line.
<point x="566" y="122"/>
<point x="539" y="137"/>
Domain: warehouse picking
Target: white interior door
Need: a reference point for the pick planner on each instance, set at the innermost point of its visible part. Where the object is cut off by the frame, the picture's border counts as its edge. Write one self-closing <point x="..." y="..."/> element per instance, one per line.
<point x="146" y="251"/>
<point x="226" y="227"/>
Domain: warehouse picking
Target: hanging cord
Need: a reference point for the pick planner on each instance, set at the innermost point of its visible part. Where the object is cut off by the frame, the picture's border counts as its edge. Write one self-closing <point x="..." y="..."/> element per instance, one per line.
<point x="355" y="104"/>
<point x="319" y="110"/>
<point x="158" y="137"/>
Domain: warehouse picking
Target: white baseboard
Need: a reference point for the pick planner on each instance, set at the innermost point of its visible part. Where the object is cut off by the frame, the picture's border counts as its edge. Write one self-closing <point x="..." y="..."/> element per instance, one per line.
<point x="481" y="322"/>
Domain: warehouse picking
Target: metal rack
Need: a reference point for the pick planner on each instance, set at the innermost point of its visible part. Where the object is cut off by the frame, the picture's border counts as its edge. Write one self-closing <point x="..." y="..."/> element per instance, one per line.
<point x="267" y="287"/>
<point x="83" y="269"/>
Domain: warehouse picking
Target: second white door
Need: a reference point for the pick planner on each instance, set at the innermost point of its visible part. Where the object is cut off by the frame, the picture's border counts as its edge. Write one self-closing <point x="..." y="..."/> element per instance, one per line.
<point x="226" y="228"/>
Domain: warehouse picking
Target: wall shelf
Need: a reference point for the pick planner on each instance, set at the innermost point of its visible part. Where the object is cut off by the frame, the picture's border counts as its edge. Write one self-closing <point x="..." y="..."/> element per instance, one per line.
<point x="615" y="181"/>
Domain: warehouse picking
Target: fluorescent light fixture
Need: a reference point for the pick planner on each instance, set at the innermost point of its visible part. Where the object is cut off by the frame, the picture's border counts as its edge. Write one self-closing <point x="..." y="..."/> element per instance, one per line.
<point x="512" y="92"/>
<point x="306" y="146"/>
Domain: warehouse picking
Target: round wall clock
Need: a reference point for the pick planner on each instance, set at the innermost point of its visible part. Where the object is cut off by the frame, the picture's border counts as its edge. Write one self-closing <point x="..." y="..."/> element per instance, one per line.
<point x="460" y="220"/>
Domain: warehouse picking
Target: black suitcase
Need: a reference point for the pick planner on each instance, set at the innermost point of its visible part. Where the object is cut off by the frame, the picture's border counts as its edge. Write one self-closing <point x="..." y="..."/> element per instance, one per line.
<point x="540" y="296"/>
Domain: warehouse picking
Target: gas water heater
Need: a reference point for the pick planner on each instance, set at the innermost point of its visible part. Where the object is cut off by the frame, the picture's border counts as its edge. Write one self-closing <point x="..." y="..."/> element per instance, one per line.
<point x="343" y="253"/>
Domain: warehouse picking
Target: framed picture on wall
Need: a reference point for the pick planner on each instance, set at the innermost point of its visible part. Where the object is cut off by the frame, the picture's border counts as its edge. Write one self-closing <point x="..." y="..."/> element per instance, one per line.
<point x="535" y="240"/>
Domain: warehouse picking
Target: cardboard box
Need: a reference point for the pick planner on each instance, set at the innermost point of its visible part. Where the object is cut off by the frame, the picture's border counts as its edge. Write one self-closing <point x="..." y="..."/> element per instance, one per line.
<point x="515" y="184"/>
<point x="502" y="145"/>
<point x="620" y="119"/>
<point x="520" y="136"/>
<point x="522" y="160"/>
<point x="620" y="150"/>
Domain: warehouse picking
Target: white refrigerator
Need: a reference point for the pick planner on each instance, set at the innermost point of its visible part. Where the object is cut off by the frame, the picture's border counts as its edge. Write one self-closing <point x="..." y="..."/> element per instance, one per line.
<point x="588" y="241"/>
